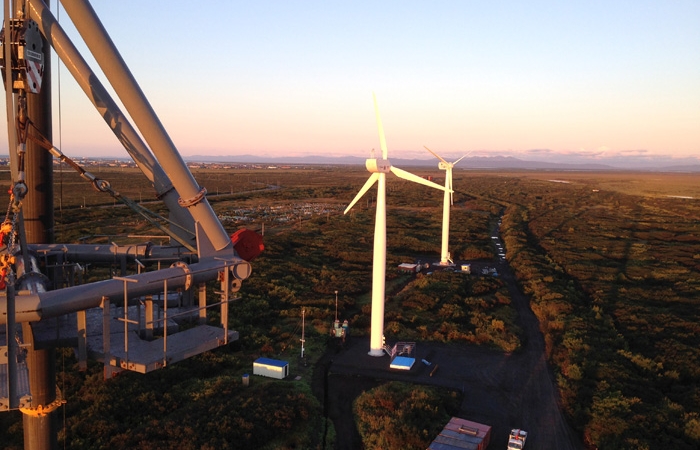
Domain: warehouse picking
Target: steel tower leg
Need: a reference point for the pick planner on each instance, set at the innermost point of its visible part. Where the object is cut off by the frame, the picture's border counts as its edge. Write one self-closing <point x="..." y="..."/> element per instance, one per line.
<point x="38" y="205"/>
<point x="39" y="428"/>
<point x="40" y="421"/>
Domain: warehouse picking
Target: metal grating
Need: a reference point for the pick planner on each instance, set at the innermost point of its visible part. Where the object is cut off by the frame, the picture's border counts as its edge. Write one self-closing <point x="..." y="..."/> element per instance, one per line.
<point x="22" y="386"/>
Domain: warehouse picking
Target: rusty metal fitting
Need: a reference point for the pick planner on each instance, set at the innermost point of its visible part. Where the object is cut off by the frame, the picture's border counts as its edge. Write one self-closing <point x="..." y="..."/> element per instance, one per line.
<point x="194" y="200"/>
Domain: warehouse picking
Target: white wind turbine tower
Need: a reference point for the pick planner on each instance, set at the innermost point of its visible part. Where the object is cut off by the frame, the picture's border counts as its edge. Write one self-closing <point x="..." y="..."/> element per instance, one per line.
<point x="379" y="168"/>
<point x="447" y="201"/>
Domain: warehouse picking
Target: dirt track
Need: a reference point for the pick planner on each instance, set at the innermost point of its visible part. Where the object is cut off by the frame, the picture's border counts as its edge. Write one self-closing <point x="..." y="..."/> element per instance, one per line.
<point x="502" y="390"/>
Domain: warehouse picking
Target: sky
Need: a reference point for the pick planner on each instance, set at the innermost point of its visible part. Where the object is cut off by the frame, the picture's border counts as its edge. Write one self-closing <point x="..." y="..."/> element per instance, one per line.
<point x="538" y="80"/>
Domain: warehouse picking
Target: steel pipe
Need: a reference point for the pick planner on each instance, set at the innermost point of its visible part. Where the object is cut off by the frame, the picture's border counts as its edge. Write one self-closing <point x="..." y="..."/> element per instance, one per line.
<point x="107" y="56"/>
<point x="32" y="307"/>
<point x="88" y="253"/>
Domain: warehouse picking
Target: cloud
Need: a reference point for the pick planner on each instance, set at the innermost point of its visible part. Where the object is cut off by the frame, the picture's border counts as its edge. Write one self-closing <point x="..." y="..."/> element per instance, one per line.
<point x="540" y="152"/>
<point x="580" y="153"/>
<point x="637" y="153"/>
<point x="601" y="153"/>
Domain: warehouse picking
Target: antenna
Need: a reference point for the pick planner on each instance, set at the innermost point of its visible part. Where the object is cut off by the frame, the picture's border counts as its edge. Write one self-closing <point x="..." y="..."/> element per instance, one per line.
<point x="302" y="333"/>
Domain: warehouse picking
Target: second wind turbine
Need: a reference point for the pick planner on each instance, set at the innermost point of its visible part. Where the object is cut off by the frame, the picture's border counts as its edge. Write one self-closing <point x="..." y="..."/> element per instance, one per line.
<point x="379" y="168"/>
<point x="445" y="259"/>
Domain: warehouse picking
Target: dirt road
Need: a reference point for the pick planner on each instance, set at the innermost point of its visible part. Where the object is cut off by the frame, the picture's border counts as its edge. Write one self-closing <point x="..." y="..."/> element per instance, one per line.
<point x="502" y="390"/>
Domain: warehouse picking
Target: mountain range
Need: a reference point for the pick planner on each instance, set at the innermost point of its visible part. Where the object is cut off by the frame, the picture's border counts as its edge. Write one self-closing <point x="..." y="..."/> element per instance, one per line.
<point x="474" y="162"/>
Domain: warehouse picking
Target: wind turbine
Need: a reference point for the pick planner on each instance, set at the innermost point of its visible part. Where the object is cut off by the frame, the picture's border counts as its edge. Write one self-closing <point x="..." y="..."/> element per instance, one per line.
<point x="379" y="168"/>
<point x="447" y="201"/>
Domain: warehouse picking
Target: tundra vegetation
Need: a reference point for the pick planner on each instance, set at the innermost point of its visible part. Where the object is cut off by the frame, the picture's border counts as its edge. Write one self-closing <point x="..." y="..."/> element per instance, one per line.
<point x="611" y="263"/>
<point x="614" y="280"/>
<point x="402" y="415"/>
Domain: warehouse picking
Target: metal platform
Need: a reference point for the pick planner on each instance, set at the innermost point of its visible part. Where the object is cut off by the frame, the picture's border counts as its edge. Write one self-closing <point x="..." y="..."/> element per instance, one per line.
<point x="146" y="356"/>
<point x="145" y="348"/>
<point x="62" y="331"/>
<point x="135" y="353"/>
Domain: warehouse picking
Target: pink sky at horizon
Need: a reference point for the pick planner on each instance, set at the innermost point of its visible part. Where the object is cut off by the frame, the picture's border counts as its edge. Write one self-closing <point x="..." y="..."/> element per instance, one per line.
<point x="602" y="79"/>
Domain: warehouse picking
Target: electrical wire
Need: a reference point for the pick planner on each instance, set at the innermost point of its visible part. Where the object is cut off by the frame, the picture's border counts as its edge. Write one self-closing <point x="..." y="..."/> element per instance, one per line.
<point x="104" y="186"/>
<point x="60" y="122"/>
<point x="60" y="209"/>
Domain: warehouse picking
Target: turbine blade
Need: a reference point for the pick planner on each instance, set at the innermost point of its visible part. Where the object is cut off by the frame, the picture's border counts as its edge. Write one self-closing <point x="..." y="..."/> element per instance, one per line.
<point x="368" y="184"/>
<point x="435" y="155"/>
<point x="416" y="179"/>
<point x="382" y="139"/>
<point x="454" y="163"/>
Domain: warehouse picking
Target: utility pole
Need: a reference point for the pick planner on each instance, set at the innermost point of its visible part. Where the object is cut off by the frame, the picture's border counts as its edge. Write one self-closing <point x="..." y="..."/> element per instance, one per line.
<point x="302" y="333"/>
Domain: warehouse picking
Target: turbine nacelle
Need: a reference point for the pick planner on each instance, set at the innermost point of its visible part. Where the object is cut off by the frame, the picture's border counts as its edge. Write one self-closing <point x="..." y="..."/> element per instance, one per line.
<point x="376" y="165"/>
<point x="447" y="167"/>
<point x="444" y="165"/>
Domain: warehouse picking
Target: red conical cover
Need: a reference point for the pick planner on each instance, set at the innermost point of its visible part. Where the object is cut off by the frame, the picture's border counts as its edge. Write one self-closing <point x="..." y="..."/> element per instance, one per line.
<point x="248" y="244"/>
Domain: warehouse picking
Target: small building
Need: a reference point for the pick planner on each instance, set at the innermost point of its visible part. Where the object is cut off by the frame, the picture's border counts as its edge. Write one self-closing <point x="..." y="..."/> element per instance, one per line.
<point x="273" y="368"/>
<point x="466" y="268"/>
<point x="402" y="363"/>
<point x="409" y="268"/>
<point x="461" y="434"/>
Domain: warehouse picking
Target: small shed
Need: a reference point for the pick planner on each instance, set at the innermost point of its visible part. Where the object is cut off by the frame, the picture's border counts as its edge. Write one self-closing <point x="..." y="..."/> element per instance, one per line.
<point x="402" y="363"/>
<point x="273" y="368"/>
<point x="409" y="268"/>
<point x="466" y="268"/>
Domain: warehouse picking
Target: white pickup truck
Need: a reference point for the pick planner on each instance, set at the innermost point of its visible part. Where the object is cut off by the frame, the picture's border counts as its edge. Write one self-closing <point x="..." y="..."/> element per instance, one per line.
<point x="517" y="438"/>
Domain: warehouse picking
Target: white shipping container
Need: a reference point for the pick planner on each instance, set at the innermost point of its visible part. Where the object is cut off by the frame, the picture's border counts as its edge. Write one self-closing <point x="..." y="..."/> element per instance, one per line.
<point x="273" y="368"/>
